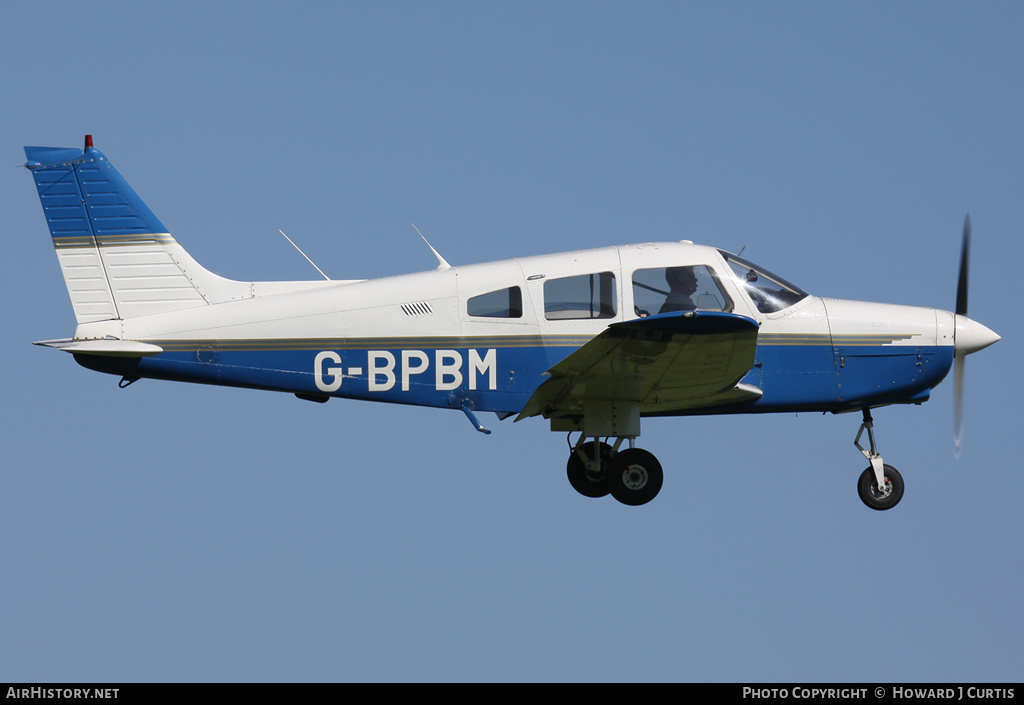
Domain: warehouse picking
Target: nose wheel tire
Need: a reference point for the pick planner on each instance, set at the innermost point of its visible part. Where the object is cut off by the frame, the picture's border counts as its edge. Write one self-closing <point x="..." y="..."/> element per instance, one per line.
<point x="635" y="477"/>
<point x="867" y="488"/>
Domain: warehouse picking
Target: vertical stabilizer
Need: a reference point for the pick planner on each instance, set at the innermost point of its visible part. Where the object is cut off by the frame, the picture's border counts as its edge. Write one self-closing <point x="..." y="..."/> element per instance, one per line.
<point x="117" y="258"/>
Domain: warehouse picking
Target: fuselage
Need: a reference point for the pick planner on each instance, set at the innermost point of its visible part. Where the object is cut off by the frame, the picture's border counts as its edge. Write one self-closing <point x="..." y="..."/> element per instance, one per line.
<point x="483" y="336"/>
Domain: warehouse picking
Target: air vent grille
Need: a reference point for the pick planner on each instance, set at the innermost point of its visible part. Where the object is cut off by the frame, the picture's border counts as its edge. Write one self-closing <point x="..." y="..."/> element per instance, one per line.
<point x="417" y="308"/>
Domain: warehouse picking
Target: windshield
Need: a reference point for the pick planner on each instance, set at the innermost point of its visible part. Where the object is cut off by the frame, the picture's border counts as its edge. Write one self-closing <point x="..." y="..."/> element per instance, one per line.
<point x="770" y="293"/>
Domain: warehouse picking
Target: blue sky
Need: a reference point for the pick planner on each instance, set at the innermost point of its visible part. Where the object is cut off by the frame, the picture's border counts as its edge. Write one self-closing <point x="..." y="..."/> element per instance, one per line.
<point x="169" y="532"/>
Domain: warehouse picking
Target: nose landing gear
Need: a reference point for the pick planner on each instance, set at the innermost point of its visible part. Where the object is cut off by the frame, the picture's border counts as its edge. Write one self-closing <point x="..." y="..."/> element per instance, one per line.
<point x="879" y="486"/>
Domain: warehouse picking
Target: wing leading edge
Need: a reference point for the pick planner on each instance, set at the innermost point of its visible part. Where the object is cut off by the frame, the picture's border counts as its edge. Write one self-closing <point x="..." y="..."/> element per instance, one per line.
<point x="664" y="363"/>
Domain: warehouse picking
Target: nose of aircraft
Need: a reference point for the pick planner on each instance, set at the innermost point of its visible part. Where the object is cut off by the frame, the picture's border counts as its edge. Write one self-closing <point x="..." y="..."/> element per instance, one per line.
<point x="971" y="336"/>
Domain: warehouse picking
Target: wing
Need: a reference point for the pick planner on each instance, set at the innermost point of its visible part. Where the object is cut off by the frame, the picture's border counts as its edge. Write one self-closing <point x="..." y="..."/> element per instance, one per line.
<point x="669" y="362"/>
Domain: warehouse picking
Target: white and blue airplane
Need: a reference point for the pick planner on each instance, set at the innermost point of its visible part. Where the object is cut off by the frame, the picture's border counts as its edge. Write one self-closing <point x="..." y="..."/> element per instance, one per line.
<point x="592" y="340"/>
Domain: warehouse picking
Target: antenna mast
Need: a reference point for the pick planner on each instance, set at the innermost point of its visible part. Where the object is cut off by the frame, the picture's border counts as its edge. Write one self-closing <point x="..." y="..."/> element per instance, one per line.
<point x="304" y="255"/>
<point x="441" y="263"/>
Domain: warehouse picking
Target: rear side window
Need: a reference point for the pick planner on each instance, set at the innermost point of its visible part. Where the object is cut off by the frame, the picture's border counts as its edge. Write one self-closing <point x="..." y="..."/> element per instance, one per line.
<point x="582" y="296"/>
<point x="503" y="303"/>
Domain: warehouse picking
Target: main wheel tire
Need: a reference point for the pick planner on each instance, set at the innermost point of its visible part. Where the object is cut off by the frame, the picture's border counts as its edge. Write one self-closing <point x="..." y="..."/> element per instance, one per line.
<point x="867" y="488"/>
<point x="635" y="477"/>
<point x="587" y="483"/>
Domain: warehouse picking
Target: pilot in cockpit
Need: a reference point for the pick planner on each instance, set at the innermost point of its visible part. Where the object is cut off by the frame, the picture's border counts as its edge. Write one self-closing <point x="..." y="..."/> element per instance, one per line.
<point x="682" y="284"/>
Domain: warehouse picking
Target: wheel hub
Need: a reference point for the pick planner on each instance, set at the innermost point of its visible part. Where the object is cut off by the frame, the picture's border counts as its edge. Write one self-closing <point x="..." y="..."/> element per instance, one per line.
<point x="634" y="477"/>
<point x="885" y="493"/>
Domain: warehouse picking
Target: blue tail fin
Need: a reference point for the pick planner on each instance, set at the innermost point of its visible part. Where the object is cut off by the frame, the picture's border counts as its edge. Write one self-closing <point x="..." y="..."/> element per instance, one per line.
<point x="118" y="259"/>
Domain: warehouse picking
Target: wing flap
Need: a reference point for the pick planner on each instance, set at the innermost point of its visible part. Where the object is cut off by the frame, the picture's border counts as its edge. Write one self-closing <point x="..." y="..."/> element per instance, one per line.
<point x="664" y="363"/>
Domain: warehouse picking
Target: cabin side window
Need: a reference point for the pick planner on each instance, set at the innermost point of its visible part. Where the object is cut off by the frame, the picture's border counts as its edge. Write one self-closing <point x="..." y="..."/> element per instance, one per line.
<point x="667" y="289"/>
<point x="582" y="296"/>
<point x="503" y="303"/>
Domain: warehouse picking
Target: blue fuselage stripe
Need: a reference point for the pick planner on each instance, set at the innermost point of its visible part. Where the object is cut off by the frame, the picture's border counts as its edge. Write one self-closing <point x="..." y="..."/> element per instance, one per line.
<point x="485" y="375"/>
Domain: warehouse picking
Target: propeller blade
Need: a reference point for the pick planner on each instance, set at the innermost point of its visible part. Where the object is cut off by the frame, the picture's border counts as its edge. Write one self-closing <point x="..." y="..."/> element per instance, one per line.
<point x="968" y="337"/>
<point x="965" y="257"/>
<point x="960" y="356"/>
<point x="958" y="404"/>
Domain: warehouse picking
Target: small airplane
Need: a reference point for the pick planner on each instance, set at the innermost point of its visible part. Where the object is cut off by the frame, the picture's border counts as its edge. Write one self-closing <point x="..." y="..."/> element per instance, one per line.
<point x="592" y="340"/>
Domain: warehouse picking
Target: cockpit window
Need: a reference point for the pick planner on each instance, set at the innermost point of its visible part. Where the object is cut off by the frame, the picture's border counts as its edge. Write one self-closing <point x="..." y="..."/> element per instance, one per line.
<point x="667" y="289"/>
<point x="770" y="293"/>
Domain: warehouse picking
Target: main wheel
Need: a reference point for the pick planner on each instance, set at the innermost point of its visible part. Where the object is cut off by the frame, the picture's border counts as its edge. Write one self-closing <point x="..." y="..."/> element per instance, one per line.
<point x="587" y="483"/>
<point x="635" y="477"/>
<point x="867" y="488"/>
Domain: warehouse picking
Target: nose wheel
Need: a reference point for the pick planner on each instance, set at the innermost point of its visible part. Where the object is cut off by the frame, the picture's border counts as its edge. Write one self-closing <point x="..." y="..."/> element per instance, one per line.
<point x="632" y="476"/>
<point x="881" y="499"/>
<point x="880" y="486"/>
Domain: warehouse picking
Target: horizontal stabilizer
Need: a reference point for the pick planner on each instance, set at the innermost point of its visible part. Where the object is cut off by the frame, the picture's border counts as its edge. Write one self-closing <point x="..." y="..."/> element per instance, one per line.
<point x="109" y="347"/>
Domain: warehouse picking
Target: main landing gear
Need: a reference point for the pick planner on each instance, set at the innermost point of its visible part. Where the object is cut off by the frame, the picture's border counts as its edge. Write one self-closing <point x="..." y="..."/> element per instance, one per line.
<point x="595" y="469"/>
<point x="880" y="486"/>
